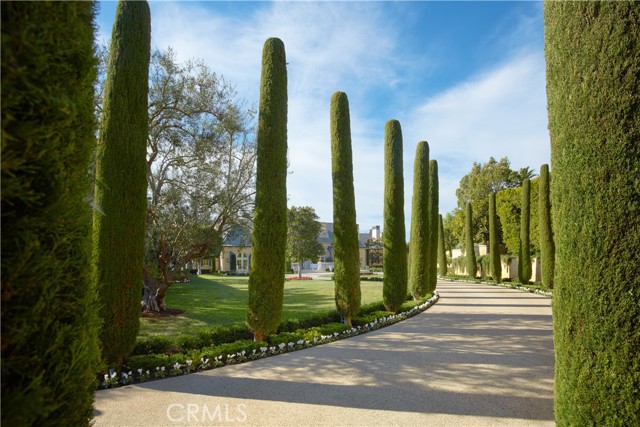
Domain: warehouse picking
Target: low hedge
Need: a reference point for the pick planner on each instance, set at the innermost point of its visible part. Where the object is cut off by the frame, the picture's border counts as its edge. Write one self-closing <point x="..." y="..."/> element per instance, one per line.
<point x="170" y="357"/>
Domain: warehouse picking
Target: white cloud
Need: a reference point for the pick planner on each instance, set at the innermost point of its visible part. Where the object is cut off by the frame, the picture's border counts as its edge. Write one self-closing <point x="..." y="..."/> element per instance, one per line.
<point x="353" y="47"/>
<point x="500" y="113"/>
<point x="330" y="46"/>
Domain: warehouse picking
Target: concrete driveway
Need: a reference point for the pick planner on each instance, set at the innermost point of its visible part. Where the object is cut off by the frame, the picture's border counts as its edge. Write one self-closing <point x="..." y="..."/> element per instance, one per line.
<point x="482" y="356"/>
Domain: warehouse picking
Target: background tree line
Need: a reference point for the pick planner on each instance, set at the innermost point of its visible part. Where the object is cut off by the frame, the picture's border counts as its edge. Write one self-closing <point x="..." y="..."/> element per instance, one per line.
<point x="475" y="187"/>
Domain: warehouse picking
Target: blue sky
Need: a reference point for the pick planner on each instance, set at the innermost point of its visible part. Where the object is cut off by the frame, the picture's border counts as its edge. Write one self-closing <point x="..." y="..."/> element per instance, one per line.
<point x="468" y="77"/>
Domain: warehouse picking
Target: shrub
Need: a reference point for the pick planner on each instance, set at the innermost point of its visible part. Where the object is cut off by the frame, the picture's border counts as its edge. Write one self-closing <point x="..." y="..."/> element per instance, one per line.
<point x="316" y="319"/>
<point x="592" y="52"/>
<point x="49" y="321"/>
<point x="268" y="239"/>
<point x="394" y="286"/>
<point x="156" y="344"/>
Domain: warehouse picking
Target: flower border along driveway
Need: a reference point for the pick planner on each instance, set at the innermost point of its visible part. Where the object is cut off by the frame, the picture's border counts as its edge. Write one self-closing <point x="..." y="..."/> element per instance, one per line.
<point x="482" y="356"/>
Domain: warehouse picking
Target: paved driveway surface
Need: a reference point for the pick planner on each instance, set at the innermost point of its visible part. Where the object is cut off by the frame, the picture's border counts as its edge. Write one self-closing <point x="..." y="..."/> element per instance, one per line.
<point x="482" y="356"/>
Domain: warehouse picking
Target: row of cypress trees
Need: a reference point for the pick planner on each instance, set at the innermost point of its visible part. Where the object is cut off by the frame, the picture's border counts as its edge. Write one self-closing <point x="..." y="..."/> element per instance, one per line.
<point x="547" y="247"/>
<point x="421" y="275"/>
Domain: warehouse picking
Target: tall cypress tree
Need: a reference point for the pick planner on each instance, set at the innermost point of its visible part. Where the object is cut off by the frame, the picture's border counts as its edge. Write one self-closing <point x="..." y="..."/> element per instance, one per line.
<point x="524" y="257"/>
<point x="469" y="246"/>
<point x="420" y="230"/>
<point x="121" y="180"/>
<point x="394" y="289"/>
<point x="269" y="237"/>
<point x="592" y="52"/>
<point x="547" y="247"/>
<point x="346" y="245"/>
<point x="433" y="225"/>
<point x="442" y="251"/>
<point x="50" y="351"/>
<point x="494" y="245"/>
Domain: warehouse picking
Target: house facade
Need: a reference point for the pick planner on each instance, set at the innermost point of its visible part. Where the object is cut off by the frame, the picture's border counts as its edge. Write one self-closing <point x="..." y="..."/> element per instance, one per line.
<point x="235" y="256"/>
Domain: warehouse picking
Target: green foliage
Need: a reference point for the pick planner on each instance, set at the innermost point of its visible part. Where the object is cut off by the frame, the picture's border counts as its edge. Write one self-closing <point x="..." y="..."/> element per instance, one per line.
<point x="547" y="247"/>
<point x="395" y="246"/>
<point x="508" y="208"/>
<point x="476" y="186"/>
<point x="524" y="255"/>
<point x="303" y="230"/>
<point x="432" y="263"/>
<point x="454" y="224"/>
<point x="469" y="244"/>
<point x="442" y="252"/>
<point x="290" y="325"/>
<point x="420" y="230"/>
<point x="49" y="321"/>
<point x="269" y="237"/>
<point x="155" y="344"/>
<point x="494" y="243"/>
<point x="345" y="230"/>
<point x="592" y="52"/>
<point x="121" y="180"/>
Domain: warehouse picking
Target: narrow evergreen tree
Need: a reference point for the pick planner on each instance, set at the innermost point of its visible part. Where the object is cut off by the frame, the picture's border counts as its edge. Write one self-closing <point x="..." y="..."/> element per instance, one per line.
<point x="433" y="225"/>
<point x="469" y="245"/>
<point x="121" y="180"/>
<point x="346" y="245"/>
<point x="442" y="251"/>
<point x="547" y="247"/>
<point x="394" y="290"/>
<point x="50" y="351"/>
<point x="269" y="237"/>
<point x="524" y="258"/>
<point x="592" y="52"/>
<point x="419" y="243"/>
<point x="494" y="245"/>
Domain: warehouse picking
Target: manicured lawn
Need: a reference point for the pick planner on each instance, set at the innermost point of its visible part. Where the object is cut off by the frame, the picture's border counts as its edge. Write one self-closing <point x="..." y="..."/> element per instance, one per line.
<point x="222" y="301"/>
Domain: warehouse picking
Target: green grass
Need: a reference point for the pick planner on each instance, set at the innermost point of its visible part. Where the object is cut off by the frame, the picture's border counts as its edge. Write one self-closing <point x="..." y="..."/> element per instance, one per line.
<point x="222" y="301"/>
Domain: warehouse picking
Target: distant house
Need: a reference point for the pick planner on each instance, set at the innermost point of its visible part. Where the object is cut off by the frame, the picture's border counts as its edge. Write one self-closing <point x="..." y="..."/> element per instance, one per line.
<point x="325" y="238"/>
<point x="235" y="256"/>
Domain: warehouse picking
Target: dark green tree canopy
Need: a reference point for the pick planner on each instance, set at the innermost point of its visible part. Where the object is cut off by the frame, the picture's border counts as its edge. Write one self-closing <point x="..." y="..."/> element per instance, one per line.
<point x="420" y="219"/>
<point x="120" y="180"/>
<point x="395" y="244"/>
<point x="303" y="230"/>
<point x="50" y="351"/>
<point x="345" y="237"/>
<point x="269" y="237"/>
<point x="592" y="53"/>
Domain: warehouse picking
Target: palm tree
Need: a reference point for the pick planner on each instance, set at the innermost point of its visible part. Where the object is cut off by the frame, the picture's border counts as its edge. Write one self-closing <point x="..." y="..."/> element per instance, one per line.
<point x="525" y="173"/>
